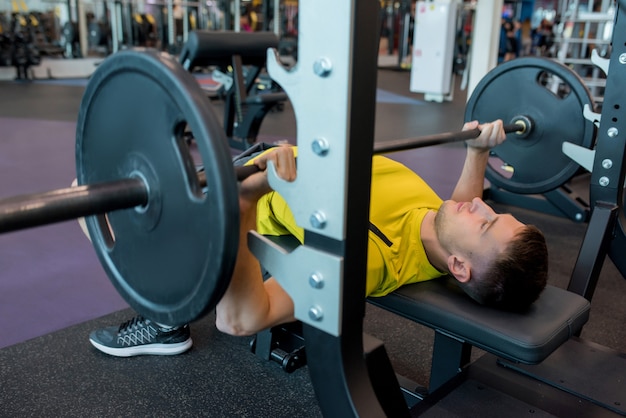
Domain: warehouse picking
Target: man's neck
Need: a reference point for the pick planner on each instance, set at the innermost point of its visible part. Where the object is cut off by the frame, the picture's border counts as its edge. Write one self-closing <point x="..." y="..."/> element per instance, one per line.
<point x="437" y="256"/>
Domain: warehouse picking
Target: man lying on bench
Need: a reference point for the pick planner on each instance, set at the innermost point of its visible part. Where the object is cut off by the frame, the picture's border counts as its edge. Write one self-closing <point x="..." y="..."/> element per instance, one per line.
<point x="414" y="236"/>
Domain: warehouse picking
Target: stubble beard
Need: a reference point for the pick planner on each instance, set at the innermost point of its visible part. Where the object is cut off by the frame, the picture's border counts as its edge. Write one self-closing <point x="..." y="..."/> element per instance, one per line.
<point x="443" y="229"/>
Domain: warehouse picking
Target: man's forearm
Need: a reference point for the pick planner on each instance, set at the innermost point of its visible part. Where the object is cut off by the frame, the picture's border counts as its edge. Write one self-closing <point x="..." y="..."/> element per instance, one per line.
<point x="472" y="179"/>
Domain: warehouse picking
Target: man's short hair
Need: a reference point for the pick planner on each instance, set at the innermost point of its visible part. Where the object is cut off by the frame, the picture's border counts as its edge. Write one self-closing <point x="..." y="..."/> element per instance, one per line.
<point x="517" y="276"/>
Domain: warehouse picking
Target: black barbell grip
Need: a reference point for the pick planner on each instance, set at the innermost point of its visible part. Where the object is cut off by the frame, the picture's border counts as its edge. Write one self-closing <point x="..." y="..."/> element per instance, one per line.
<point x="242" y="172"/>
<point x="429" y="140"/>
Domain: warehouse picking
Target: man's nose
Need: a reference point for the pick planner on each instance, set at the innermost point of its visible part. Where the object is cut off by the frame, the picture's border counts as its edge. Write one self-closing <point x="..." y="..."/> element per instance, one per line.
<point x="479" y="206"/>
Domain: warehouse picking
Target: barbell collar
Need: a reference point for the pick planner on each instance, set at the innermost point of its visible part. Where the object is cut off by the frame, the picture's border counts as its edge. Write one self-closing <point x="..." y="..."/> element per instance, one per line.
<point x="525" y="123"/>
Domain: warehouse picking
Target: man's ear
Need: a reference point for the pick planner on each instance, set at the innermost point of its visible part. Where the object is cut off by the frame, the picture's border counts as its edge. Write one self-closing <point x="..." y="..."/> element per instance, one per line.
<point x="460" y="268"/>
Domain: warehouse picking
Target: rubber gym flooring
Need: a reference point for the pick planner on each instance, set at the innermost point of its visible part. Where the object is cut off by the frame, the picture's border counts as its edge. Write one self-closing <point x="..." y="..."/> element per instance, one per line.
<point x="53" y="291"/>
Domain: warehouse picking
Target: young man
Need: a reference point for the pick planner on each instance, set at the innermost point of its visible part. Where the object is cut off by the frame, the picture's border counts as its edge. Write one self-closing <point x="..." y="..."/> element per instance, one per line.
<point x="414" y="236"/>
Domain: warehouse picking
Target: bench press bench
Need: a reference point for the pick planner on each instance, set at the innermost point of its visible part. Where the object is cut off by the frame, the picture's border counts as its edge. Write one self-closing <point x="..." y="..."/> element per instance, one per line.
<point x="244" y="107"/>
<point x="459" y="323"/>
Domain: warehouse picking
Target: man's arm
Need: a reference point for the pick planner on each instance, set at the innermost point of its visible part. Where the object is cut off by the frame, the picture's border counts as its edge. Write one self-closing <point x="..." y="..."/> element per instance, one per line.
<point x="472" y="180"/>
<point x="250" y="304"/>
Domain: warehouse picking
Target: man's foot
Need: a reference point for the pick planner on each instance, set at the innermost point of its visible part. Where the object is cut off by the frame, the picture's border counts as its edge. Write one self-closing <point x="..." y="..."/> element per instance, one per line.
<point x="141" y="336"/>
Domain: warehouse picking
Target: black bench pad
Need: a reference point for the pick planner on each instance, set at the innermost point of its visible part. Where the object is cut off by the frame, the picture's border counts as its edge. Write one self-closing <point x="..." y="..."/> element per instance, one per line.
<point x="205" y="48"/>
<point x="527" y="337"/>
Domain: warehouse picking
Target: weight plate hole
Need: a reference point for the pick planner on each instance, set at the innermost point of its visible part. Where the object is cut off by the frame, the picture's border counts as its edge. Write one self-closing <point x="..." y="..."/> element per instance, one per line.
<point x="503" y="169"/>
<point x="554" y="84"/>
<point x="107" y="231"/>
<point x="185" y="143"/>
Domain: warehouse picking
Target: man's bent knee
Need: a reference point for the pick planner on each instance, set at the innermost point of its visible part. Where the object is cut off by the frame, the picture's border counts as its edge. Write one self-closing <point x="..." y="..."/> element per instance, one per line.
<point x="229" y="325"/>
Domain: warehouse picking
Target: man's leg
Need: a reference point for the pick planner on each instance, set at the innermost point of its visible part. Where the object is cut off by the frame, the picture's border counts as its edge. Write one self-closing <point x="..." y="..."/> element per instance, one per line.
<point x="251" y="304"/>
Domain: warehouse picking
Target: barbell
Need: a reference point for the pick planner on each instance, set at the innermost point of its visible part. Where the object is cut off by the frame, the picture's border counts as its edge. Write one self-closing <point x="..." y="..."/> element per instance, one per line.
<point x="37" y="209"/>
<point x="163" y="232"/>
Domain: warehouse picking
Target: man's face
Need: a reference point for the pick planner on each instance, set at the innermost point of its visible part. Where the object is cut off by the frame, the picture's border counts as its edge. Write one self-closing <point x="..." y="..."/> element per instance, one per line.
<point x="473" y="229"/>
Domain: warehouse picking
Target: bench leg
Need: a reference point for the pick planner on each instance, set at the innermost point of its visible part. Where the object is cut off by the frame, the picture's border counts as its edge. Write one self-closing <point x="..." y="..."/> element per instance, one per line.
<point x="383" y="378"/>
<point x="450" y="356"/>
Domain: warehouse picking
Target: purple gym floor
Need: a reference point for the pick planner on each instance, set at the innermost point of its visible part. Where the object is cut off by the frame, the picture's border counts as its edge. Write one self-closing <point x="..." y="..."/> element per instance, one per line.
<point x="51" y="277"/>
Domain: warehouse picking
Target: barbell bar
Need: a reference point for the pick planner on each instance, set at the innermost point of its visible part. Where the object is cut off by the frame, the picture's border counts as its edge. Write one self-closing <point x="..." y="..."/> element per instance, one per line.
<point x="521" y="126"/>
<point x="163" y="231"/>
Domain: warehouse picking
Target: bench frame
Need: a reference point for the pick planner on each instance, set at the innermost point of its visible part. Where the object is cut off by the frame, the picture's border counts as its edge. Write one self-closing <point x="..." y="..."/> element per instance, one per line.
<point x="245" y="53"/>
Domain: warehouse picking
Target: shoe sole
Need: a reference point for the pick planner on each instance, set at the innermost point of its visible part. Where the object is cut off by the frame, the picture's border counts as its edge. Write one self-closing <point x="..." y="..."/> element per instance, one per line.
<point x="151" y="349"/>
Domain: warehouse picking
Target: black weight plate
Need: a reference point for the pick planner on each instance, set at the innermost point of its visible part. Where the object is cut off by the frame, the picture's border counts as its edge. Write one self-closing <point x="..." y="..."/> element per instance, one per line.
<point x="172" y="259"/>
<point x="552" y="96"/>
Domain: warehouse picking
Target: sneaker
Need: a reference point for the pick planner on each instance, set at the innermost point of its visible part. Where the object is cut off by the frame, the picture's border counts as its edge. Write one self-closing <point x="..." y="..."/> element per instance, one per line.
<point x="141" y="336"/>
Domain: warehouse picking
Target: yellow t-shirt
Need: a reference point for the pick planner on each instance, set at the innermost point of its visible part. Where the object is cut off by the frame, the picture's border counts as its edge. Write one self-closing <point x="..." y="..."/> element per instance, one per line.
<point x="399" y="201"/>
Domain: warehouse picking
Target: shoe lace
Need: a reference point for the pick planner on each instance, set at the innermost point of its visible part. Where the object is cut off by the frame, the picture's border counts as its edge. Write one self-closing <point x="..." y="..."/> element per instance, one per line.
<point x="134" y="323"/>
